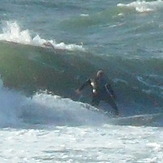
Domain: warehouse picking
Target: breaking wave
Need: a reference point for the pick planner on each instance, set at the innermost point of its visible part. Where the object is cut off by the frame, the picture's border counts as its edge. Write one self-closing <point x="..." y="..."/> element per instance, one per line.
<point x="137" y="83"/>
<point x="143" y="6"/>
<point x="17" y="110"/>
<point x="13" y="33"/>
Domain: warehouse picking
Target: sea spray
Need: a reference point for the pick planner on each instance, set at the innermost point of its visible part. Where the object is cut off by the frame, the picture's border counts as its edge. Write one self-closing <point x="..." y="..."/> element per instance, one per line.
<point x="42" y="108"/>
<point x="13" y="33"/>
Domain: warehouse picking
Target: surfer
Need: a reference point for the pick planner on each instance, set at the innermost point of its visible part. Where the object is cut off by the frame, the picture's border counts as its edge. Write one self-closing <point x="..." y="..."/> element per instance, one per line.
<point x="101" y="90"/>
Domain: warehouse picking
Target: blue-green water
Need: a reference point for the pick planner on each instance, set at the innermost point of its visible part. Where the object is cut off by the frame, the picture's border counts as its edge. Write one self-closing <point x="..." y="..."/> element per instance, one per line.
<point x="48" y="48"/>
<point x="124" y="39"/>
<point x="56" y="45"/>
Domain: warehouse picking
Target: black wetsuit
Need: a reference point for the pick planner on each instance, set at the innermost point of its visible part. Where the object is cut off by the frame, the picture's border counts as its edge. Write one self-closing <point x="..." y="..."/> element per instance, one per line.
<point x="101" y="91"/>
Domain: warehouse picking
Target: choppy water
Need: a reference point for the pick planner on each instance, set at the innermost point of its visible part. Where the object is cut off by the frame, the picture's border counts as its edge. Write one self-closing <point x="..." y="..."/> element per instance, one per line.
<point x="48" y="48"/>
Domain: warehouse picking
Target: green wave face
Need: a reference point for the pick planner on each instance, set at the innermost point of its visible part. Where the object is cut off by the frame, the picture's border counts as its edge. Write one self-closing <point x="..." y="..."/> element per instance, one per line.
<point x="34" y="68"/>
<point x="31" y="69"/>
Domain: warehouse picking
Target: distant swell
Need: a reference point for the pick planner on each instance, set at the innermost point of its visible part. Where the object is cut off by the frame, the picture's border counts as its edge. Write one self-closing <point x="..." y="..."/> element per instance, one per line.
<point x="143" y="6"/>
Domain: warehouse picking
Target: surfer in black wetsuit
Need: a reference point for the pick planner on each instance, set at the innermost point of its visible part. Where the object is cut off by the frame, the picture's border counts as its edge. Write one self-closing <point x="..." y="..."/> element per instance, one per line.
<point x="101" y="90"/>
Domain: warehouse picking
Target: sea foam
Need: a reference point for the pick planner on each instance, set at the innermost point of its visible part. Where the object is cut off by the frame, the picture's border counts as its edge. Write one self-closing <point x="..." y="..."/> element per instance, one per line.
<point x="12" y="32"/>
<point x="143" y="6"/>
<point x="43" y="108"/>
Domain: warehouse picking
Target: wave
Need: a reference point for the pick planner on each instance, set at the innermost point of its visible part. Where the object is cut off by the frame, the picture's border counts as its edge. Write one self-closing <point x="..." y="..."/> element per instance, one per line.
<point x="44" y="109"/>
<point x="12" y="32"/>
<point x="143" y="6"/>
<point x="27" y="66"/>
<point x="109" y="16"/>
<point x="10" y="102"/>
<point x="17" y="110"/>
<point x="137" y="82"/>
<point x="85" y="22"/>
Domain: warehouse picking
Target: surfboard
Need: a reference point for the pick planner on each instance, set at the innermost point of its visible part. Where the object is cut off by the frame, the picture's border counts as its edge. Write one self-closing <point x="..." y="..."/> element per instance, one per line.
<point x="136" y="120"/>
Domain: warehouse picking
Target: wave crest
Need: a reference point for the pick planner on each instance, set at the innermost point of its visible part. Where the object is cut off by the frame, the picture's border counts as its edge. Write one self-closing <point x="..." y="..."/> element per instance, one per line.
<point x="143" y="6"/>
<point x="12" y="32"/>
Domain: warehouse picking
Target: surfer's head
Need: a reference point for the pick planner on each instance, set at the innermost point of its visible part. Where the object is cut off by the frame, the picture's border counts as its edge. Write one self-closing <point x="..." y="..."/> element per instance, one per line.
<point x="100" y="73"/>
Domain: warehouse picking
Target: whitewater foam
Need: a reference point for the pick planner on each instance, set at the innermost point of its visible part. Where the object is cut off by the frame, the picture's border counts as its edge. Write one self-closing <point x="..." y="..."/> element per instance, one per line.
<point x="12" y="32"/>
<point x="143" y="6"/>
<point x="45" y="108"/>
<point x="42" y="108"/>
<point x="10" y="103"/>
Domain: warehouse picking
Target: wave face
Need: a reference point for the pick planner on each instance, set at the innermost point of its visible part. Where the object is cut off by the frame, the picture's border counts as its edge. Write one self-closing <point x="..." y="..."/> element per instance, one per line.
<point x="137" y="83"/>
<point x="58" y="53"/>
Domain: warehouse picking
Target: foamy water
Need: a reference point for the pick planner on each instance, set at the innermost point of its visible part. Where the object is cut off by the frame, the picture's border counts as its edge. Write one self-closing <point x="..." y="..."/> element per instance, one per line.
<point x="143" y="6"/>
<point x="37" y="124"/>
<point x="13" y="33"/>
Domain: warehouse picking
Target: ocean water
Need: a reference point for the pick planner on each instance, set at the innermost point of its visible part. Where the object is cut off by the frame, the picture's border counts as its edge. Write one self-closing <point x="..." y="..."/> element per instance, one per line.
<point x="48" y="49"/>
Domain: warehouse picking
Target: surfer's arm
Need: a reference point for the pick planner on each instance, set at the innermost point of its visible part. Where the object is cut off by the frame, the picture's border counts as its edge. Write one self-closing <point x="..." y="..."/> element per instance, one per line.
<point x="88" y="82"/>
<point x="110" y="90"/>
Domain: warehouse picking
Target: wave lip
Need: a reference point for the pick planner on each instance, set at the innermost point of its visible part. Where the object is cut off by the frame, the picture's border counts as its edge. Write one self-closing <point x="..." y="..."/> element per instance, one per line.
<point x="12" y="32"/>
<point x="143" y="6"/>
